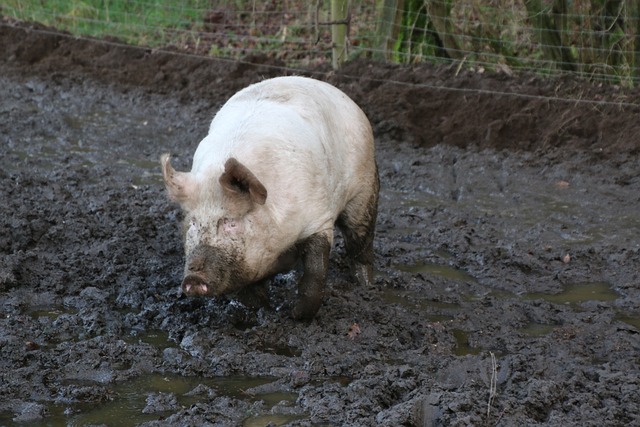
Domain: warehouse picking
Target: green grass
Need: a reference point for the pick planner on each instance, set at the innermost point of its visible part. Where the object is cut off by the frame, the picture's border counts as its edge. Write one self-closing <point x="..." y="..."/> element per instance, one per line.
<point x="240" y="27"/>
<point x="150" y="22"/>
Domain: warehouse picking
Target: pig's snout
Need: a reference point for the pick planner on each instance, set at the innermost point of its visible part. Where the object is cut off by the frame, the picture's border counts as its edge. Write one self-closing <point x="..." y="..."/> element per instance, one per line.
<point x="209" y="271"/>
<point x="194" y="285"/>
<point x="195" y="281"/>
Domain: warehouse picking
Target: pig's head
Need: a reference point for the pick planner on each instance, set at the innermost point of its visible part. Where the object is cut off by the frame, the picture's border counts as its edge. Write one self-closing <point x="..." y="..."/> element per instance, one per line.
<point x="216" y="225"/>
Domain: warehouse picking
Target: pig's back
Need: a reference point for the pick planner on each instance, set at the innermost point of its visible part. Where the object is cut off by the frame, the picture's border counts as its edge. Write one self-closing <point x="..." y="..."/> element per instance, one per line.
<point x="305" y="140"/>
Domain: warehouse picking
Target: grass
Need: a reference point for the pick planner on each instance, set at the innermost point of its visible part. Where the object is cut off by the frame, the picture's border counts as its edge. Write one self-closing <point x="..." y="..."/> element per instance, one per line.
<point x="146" y="22"/>
<point x="233" y="29"/>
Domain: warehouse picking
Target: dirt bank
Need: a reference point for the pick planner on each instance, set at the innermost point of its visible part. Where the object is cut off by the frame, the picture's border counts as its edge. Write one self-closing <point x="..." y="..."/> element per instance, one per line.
<point x="507" y="250"/>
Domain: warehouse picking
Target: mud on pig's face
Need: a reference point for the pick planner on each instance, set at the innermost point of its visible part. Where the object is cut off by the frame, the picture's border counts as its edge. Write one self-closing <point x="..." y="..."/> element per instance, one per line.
<point x="213" y="259"/>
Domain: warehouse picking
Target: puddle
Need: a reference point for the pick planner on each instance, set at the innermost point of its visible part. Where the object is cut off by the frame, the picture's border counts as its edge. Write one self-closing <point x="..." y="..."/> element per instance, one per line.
<point x="273" y="398"/>
<point x="438" y="270"/>
<point x="577" y="293"/>
<point x="573" y="294"/>
<point x="439" y="318"/>
<point x="156" y="338"/>
<point x="412" y="199"/>
<point x="427" y="202"/>
<point x="463" y="348"/>
<point x="341" y="380"/>
<point x="49" y="311"/>
<point x="633" y="320"/>
<point x="534" y="329"/>
<point x="130" y="398"/>
<point x="281" y="350"/>
<point x="435" y="311"/>
<point x="499" y="294"/>
<point x="148" y="171"/>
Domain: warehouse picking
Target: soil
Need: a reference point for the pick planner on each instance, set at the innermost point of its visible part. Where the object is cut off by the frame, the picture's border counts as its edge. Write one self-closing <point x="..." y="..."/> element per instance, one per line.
<point x="507" y="245"/>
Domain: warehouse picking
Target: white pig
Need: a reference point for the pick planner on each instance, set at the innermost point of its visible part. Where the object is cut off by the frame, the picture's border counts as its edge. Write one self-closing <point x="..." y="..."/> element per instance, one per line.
<point x="285" y="160"/>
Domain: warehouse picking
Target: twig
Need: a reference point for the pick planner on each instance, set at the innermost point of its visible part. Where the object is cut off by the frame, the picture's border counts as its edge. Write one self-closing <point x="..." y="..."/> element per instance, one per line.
<point x="493" y="383"/>
<point x="464" y="58"/>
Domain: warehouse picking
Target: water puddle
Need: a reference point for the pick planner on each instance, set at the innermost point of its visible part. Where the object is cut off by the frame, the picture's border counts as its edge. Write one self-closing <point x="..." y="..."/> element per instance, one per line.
<point x="341" y="380"/>
<point x="157" y="338"/>
<point x="435" y="311"/>
<point x="499" y="294"/>
<point x="51" y="312"/>
<point x="280" y="350"/>
<point x="577" y="293"/>
<point x="536" y="330"/>
<point x="633" y="320"/>
<point x="149" y="171"/>
<point x="433" y="269"/>
<point x="463" y="348"/>
<point x="426" y="202"/>
<point x="572" y="294"/>
<point x="129" y="399"/>
<point x="273" y="398"/>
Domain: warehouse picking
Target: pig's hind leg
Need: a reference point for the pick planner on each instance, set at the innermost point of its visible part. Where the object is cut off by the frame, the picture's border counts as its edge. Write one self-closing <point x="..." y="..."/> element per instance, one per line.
<point x="357" y="223"/>
<point x="314" y="251"/>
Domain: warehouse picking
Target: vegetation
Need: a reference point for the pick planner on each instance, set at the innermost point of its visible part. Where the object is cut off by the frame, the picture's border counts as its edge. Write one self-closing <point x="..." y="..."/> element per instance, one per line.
<point x="144" y="22"/>
<point x="597" y="39"/>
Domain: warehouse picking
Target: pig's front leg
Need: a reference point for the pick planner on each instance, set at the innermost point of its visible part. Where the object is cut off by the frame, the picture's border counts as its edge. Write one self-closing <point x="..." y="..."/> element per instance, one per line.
<point x="314" y="252"/>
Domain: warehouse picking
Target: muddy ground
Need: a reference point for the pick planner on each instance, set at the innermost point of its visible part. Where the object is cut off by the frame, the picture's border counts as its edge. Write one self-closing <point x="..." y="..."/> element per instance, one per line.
<point x="507" y="253"/>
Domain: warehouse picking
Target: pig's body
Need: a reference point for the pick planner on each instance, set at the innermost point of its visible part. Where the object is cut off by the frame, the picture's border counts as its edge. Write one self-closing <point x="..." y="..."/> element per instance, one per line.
<point x="302" y="160"/>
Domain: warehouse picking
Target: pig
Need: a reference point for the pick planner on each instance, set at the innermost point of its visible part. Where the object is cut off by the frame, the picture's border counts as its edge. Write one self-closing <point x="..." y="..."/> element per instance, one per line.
<point x="285" y="160"/>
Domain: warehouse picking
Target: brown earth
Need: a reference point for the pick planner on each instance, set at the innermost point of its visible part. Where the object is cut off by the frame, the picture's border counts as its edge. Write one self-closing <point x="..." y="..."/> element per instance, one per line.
<point x="508" y="231"/>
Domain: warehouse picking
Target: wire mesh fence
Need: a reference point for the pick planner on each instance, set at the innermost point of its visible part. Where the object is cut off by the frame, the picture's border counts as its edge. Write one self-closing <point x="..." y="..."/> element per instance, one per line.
<point x="593" y="39"/>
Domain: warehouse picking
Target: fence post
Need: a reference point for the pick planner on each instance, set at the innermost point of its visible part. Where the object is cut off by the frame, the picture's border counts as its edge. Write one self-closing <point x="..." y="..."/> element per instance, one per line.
<point x="439" y="12"/>
<point x="339" y="16"/>
<point x="636" y="45"/>
<point x="550" y="32"/>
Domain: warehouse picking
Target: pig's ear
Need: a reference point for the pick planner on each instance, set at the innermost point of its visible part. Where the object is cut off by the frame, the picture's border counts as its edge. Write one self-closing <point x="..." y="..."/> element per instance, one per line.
<point x="180" y="185"/>
<point x="237" y="179"/>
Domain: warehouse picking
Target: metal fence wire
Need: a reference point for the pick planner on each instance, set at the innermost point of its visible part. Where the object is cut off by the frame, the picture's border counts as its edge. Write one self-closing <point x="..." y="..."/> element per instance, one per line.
<point x="593" y="39"/>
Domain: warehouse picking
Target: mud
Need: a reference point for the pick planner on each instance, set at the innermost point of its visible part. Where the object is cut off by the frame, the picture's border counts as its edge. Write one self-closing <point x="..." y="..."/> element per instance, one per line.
<point x="507" y="247"/>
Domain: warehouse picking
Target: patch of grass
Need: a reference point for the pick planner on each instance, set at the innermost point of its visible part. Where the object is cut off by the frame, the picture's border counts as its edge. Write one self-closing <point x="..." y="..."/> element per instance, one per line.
<point x="233" y="29"/>
<point x="149" y="22"/>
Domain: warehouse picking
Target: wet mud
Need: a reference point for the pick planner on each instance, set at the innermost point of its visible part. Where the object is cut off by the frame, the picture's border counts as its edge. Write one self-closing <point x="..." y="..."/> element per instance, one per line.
<point x="507" y="252"/>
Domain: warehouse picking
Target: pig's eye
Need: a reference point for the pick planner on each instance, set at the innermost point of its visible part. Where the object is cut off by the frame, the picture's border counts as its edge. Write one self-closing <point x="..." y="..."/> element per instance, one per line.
<point x="227" y="225"/>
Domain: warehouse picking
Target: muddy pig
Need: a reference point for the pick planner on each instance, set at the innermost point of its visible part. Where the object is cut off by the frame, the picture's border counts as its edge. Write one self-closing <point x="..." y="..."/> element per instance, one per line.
<point x="285" y="160"/>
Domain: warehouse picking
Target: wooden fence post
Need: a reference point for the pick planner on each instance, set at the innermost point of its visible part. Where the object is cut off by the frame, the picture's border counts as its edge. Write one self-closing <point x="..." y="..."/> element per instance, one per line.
<point x="339" y="25"/>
